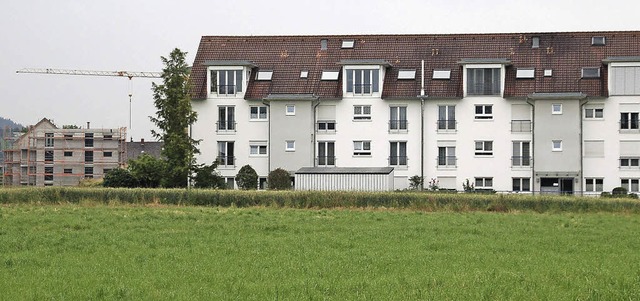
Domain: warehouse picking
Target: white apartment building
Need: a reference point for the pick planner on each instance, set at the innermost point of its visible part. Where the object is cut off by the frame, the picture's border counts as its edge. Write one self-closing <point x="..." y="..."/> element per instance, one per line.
<point x="531" y="112"/>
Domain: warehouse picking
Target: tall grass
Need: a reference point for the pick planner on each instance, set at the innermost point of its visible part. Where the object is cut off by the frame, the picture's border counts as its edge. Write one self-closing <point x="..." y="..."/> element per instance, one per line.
<point x="315" y="199"/>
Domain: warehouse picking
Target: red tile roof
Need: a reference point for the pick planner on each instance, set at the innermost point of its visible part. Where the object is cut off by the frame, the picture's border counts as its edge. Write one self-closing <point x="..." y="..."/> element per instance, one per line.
<point x="566" y="53"/>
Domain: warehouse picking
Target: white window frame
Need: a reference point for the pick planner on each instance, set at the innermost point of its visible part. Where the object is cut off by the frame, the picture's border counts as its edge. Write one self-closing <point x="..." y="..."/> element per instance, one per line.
<point x="556" y="145"/>
<point x="441" y="74"/>
<point x="347" y="44"/>
<point x="244" y="74"/>
<point x="518" y="157"/>
<point x="592" y="113"/>
<point x="407" y="74"/>
<point x="258" y="116"/>
<point x="449" y="122"/>
<point x="228" y="158"/>
<point x="330" y="75"/>
<point x="49" y="140"/>
<point x="483" y="115"/>
<point x="521" y="184"/>
<point x="470" y="67"/>
<point x="361" y="148"/>
<point x="585" y="72"/>
<point x="398" y="159"/>
<point x="484" y="148"/>
<point x="548" y="72"/>
<point x="290" y="110"/>
<point x="359" y="113"/>
<point x="525" y="73"/>
<point x="449" y="160"/>
<point x="264" y="75"/>
<point x="375" y="76"/>
<point x="592" y="185"/>
<point x="395" y="123"/>
<point x="226" y="125"/>
<point x="629" y="162"/>
<point x="556" y="108"/>
<point x="632" y="124"/>
<point x="483" y="182"/>
<point x="290" y="145"/>
<point x="631" y="184"/>
<point x="304" y="74"/>
<point x="326" y="124"/>
<point x="258" y="148"/>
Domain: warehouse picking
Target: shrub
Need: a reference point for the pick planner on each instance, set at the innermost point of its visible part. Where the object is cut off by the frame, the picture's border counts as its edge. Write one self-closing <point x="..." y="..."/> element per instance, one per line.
<point x="207" y="177"/>
<point x="148" y="170"/>
<point x="619" y="191"/>
<point x="416" y="182"/>
<point x="279" y="179"/>
<point x="119" y="178"/>
<point x="468" y="186"/>
<point x="247" y="178"/>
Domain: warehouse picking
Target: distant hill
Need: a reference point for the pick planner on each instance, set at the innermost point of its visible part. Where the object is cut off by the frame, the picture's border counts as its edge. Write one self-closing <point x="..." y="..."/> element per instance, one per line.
<point x="4" y="122"/>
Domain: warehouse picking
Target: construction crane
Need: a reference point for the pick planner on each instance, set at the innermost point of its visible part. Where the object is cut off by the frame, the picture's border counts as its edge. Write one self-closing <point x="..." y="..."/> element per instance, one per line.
<point x="128" y="74"/>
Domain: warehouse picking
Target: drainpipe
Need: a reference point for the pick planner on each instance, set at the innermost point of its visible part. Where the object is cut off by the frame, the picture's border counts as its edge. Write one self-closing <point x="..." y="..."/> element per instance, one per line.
<point x="582" y="104"/>
<point x="533" y="145"/>
<point x="266" y="103"/>
<point x="422" y="98"/>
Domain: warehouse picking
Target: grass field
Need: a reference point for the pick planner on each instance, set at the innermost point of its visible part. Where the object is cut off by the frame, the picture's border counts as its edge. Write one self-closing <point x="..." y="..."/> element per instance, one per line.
<point x="111" y="252"/>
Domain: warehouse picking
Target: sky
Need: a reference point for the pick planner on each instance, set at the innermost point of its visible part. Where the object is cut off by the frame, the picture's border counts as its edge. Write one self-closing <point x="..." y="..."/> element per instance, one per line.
<point x="132" y="35"/>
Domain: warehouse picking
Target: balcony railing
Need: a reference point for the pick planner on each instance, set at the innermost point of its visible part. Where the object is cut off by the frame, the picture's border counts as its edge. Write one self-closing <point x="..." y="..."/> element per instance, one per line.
<point x="521" y="161"/>
<point x="398" y="160"/>
<point x="226" y="161"/>
<point x="227" y="89"/>
<point x="362" y="89"/>
<point x="446" y="124"/>
<point x="520" y="126"/>
<point x="326" y="160"/>
<point x="398" y="125"/>
<point x="226" y="125"/>
<point x="447" y="161"/>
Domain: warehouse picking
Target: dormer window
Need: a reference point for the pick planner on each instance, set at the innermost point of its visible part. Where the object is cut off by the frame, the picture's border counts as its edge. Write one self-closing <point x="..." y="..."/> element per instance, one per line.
<point x="483" y="81"/>
<point x="363" y="81"/>
<point x="225" y="82"/>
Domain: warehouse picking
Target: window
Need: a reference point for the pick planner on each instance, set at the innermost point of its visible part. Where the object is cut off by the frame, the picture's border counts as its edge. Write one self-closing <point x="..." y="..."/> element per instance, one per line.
<point x="446" y="156"/>
<point x="521" y="153"/>
<point x="593" y="113"/>
<point x="362" y="81"/>
<point x="257" y="147"/>
<point x="483" y="81"/>
<point x="556" y="145"/>
<point x="68" y="136"/>
<point x="88" y="140"/>
<point x="258" y="113"/>
<point x="290" y="110"/>
<point x="548" y="72"/>
<point x="629" y="121"/>
<point x="290" y="146"/>
<point x="441" y="74"/>
<point x="48" y="140"/>
<point x="398" y="153"/>
<point x="630" y="162"/>
<point x="446" y="117"/>
<point x="68" y="170"/>
<point x="262" y="183"/>
<point x="108" y="137"/>
<point x="326" y="153"/>
<point x="48" y="173"/>
<point x="107" y="154"/>
<point x="330" y="75"/>
<point x="226" y="118"/>
<point x="88" y="172"/>
<point x="484" y="183"/>
<point x="264" y="75"/>
<point x="397" y="118"/>
<point x="630" y="184"/>
<point x="598" y="41"/>
<point x="48" y="156"/>
<point x="521" y="184"/>
<point x="525" y="73"/>
<point x="226" y="157"/>
<point x="625" y="80"/>
<point x="68" y="154"/>
<point x="226" y="82"/>
<point x="593" y="184"/>
<point x="88" y="156"/>
<point x="535" y="42"/>
<point x="323" y="44"/>
<point x="362" y="148"/>
<point x="484" y="148"/>
<point x="484" y="112"/>
<point x="304" y="74"/>
<point x="556" y="108"/>
<point x="362" y="112"/>
<point x="591" y="72"/>
<point x="407" y="74"/>
<point x="231" y="182"/>
<point x="326" y="125"/>
<point x="348" y="43"/>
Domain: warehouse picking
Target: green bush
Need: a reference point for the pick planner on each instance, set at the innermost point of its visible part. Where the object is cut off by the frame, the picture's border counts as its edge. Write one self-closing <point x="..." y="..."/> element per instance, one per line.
<point x="247" y="178"/>
<point x="119" y="177"/>
<point x="279" y="179"/>
<point x="619" y="191"/>
<point x="207" y="177"/>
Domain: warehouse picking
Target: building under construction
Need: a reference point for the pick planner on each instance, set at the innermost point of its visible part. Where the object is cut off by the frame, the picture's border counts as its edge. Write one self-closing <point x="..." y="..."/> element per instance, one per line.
<point x="49" y="156"/>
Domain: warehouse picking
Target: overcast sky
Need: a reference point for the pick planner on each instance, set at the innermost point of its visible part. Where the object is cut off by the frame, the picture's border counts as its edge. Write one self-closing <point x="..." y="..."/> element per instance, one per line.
<point x="132" y="35"/>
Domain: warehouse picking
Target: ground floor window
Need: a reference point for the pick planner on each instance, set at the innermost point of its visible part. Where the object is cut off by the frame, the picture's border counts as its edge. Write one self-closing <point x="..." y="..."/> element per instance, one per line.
<point x="521" y="184"/>
<point x="593" y="184"/>
<point x="632" y="185"/>
<point x="484" y="183"/>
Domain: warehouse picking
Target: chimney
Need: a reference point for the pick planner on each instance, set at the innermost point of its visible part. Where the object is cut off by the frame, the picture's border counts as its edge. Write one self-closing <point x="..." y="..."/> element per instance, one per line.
<point x="88" y="125"/>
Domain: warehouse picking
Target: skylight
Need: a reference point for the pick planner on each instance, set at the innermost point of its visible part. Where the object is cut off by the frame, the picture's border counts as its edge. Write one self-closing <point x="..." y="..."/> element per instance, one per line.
<point x="407" y="74"/>
<point x="330" y="75"/>
<point x="598" y="41"/>
<point x="591" y="72"/>
<point x="304" y="74"/>
<point x="525" y="73"/>
<point x="441" y="74"/>
<point x="264" y="75"/>
<point x="348" y="43"/>
<point x="548" y="72"/>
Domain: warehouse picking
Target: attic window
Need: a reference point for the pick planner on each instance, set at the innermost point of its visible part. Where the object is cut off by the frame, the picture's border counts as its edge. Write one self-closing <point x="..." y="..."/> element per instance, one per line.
<point x="441" y="74"/>
<point x="525" y="73"/>
<point x="348" y="43"/>
<point x="548" y="72"/>
<point x="407" y="74"/>
<point x="323" y="44"/>
<point x="264" y="75"/>
<point x="598" y="41"/>
<point x="330" y="75"/>
<point x="590" y="72"/>
<point x="304" y="74"/>
<point x="535" y="42"/>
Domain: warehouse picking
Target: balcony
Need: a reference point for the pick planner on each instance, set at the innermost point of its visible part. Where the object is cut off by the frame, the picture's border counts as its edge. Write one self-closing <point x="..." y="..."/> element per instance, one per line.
<point x="226" y="126"/>
<point x="520" y="126"/>
<point x="398" y="160"/>
<point x="446" y="125"/>
<point x="326" y="160"/>
<point x="226" y="161"/>
<point x="447" y="161"/>
<point x="521" y="161"/>
<point x="398" y="125"/>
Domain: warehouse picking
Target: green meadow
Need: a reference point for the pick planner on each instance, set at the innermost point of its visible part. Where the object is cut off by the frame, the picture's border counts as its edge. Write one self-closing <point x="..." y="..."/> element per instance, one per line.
<point x="96" y="251"/>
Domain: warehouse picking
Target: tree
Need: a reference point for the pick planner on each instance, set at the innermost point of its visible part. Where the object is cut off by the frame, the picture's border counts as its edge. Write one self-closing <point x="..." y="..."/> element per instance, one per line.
<point x="279" y="179"/>
<point x="207" y="177"/>
<point x="173" y="118"/>
<point x="247" y="178"/>
<point x="119" y="177"/>
<point x="148" y="170"/>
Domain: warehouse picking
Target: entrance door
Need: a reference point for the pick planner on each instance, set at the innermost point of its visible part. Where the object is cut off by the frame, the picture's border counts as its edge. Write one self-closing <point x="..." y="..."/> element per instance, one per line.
<point x="566" y="186"/>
